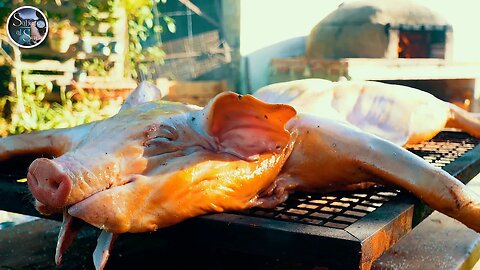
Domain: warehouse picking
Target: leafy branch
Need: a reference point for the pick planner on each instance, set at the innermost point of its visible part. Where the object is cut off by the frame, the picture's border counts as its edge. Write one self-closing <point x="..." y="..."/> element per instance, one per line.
<point x="40" y="114"/>
<point x="140" y="18"/>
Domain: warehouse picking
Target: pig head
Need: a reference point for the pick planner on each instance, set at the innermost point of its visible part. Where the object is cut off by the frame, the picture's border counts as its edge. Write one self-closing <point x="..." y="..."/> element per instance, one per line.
<point x="155" y="164"/>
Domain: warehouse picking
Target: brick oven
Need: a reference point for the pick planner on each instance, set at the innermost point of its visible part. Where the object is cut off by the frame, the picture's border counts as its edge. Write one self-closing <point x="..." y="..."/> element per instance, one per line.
<point x="391" y="41"/>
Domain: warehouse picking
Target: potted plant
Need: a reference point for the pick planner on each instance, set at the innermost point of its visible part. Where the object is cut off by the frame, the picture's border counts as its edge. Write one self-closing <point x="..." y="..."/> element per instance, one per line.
<point x="61" y="35"/>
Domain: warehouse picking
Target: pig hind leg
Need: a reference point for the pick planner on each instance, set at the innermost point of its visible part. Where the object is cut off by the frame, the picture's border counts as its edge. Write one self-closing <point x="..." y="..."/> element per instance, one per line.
<point x="463" y="120"/>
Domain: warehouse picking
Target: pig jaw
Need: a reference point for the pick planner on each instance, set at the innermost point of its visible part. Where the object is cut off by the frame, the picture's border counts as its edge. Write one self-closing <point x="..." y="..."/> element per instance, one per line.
<point x="206" y="183"/>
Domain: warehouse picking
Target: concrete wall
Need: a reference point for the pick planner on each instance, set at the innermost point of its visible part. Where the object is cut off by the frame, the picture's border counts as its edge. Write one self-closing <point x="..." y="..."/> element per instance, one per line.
<point x="277" y="28"/>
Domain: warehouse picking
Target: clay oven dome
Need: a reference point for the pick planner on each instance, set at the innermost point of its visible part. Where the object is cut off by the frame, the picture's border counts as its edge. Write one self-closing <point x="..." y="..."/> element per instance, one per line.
<point x="378" y="29"/>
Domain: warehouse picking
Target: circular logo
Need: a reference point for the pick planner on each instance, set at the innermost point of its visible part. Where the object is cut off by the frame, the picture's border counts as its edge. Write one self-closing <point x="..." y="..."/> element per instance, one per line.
<point x="27" y="27"/>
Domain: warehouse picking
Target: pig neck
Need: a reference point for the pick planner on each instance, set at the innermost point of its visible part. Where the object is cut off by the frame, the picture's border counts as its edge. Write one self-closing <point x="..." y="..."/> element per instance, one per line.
<point x="207" y="186"/>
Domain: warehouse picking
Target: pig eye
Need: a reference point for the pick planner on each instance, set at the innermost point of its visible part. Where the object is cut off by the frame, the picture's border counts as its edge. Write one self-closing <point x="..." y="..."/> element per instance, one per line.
<point x="160" y="135"/>
<point x="167" y="132"/>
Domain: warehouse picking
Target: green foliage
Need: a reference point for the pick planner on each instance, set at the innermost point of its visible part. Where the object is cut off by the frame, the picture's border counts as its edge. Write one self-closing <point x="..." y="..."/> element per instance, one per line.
<point x="96" y="67"/>
<point x="140" y="19"/>
<point x="88" y="13"/>
<point x="32" y="110"/>
<point x="39" y="114"/>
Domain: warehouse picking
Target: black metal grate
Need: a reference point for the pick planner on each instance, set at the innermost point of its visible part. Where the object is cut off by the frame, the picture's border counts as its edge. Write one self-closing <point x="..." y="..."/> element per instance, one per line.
<point x="444" y="148"/>
<point x="336" y="210"/>
<point x="341" y="209"/>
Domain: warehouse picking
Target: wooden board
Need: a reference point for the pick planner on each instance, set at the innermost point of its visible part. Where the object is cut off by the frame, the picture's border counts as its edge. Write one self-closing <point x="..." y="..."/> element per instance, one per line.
<point x="295" y="68"/>
<point x="198" y="92"/>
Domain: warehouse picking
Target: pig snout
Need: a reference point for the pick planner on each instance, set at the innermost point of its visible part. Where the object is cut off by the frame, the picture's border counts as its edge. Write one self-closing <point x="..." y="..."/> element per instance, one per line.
<point x="49" y="183"/>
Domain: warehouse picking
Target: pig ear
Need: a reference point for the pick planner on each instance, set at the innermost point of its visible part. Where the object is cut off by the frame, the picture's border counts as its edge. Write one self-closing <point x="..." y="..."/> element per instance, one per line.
<point x="245" y="126"/>
<point x="144" y="92"/>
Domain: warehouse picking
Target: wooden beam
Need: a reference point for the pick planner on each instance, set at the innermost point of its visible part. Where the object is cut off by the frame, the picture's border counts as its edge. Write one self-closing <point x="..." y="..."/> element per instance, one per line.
<point x="49" y="65"/>
<point x="199" y="12"/>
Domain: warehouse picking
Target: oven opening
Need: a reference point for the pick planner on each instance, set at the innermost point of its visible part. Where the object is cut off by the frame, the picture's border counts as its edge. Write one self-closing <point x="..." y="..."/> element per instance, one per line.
<point x="421" y="44"/>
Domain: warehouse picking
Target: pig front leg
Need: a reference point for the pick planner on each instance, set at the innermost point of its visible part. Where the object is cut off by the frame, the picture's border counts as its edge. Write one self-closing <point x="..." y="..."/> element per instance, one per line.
<point x="441" y="191"/>
<point x="333" y="154"/>
<point x="53" y="142"/>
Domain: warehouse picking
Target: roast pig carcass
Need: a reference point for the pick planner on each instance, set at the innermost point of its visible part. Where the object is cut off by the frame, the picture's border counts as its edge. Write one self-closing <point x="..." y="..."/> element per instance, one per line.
<point x="157" y="163"/>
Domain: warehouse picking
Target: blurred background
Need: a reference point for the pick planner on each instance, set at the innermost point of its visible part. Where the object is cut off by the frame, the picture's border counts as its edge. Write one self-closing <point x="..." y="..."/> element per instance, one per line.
<point x="96" y="51"/>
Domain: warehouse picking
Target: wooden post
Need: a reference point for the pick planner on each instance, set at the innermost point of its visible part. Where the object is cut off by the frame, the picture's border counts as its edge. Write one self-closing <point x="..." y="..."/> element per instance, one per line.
<point x="17" y="70"/>
<point x="392" y="49"/>
<point x="231" y="33"/>
<point x="122" y="63"/>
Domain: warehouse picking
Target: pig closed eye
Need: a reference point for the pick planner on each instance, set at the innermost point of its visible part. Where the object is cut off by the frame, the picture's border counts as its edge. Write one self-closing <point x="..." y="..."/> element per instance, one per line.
<point x="168" y="133"/>
<point x="163" y="142"/>
<point x="158" y="141"/>
<point x="160" y="145"/>
<point x="161" y="133"/>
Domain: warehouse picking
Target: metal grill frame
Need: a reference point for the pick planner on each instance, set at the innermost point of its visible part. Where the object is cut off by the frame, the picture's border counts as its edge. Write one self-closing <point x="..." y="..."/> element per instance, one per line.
<point x="352" y="247"/>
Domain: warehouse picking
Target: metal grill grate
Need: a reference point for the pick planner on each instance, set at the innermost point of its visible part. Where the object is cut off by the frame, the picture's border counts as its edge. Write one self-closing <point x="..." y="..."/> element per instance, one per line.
<point x="444" y="149"/>
<point x="341" y="209"/>
<point x="336" y="210"/>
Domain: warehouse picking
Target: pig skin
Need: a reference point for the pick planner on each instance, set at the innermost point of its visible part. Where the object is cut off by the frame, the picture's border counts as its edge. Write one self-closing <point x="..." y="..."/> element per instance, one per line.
<point x="157" y="163"/>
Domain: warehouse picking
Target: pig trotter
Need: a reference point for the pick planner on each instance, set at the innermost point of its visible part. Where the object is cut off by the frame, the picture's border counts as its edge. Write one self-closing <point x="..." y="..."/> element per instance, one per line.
<point x="102" y="251"/>
<point x="70" y="228"/>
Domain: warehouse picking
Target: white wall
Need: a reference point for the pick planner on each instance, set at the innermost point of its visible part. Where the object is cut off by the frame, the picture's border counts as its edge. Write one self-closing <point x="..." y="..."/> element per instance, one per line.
<point x="276" y="28"/>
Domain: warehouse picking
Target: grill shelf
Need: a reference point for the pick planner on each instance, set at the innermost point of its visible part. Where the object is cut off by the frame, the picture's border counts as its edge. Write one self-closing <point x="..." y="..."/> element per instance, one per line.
<point x="339" y="230"/>
<point x="342" y="209"/>
<point x="337" y="210"/>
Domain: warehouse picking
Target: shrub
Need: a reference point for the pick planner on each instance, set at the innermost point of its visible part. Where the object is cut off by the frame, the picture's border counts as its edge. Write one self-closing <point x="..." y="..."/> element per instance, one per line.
<point x="32" y="111"/>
